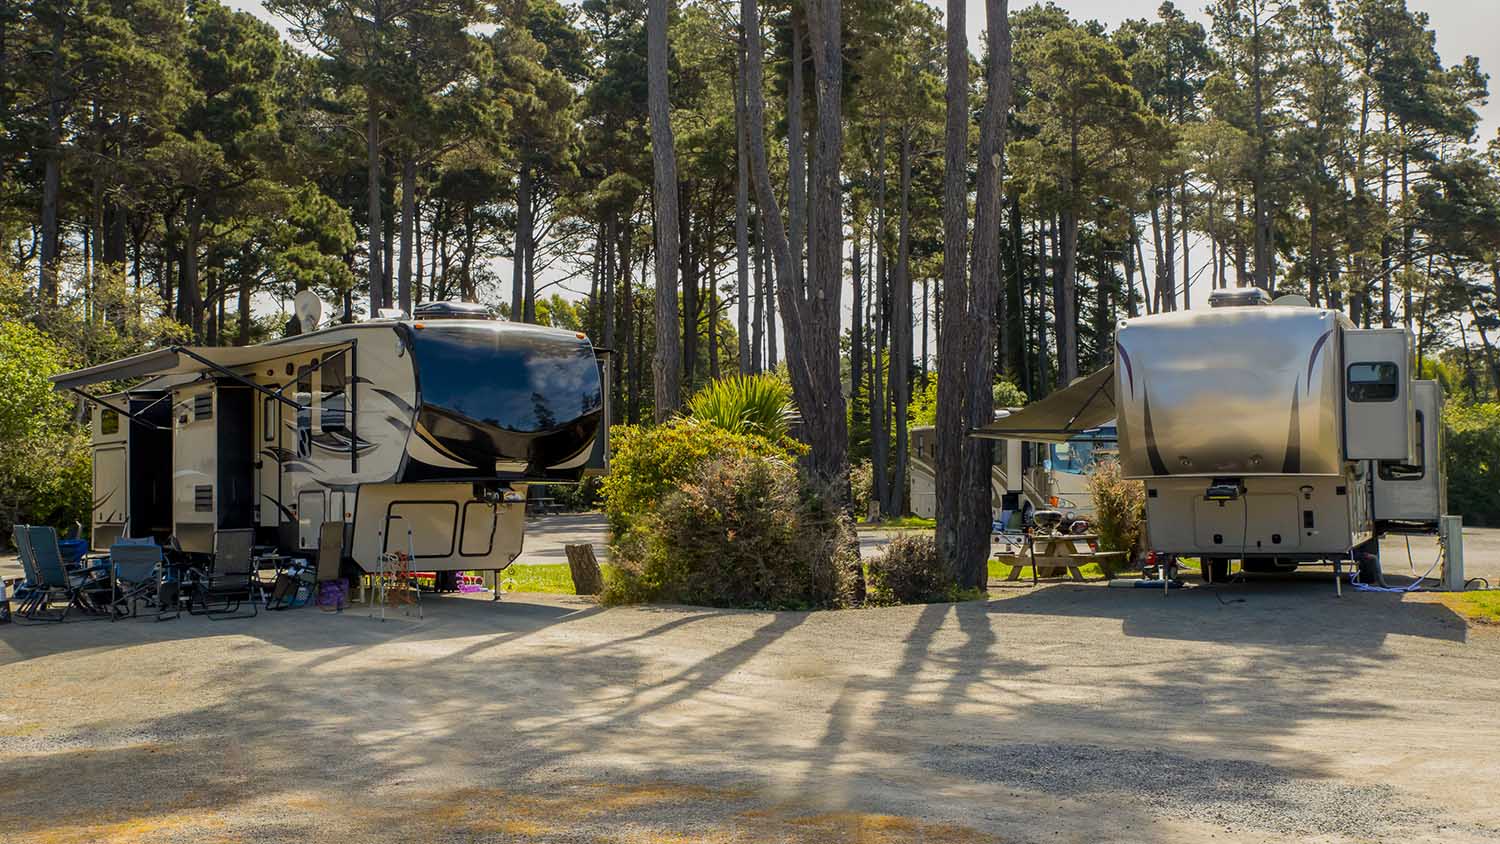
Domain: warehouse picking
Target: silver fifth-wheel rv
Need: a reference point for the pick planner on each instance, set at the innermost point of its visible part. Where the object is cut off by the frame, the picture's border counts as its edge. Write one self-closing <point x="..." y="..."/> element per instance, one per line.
<point x="434" y="425"/>
<point x="1271" y="433"/>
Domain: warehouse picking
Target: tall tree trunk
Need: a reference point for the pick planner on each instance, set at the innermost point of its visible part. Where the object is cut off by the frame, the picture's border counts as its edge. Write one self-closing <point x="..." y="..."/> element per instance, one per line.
<point x="1067" y="325"/>
<point x="523" y="242"/>
<point x="822" y="399"/>
<point x="690" y="292"/>
<point x="796" y="146"/>
<point x="1187" y="279"/>
<point x="742" y="216"/>
<point x="880" y="430"/>
<point x="408" y="226"/>
<point x="976" y="507"/>
<point x="812" y="320"/>
<point x="529" y="292"/>
<point x="667" y="366"/>
<point x="857" y="408"/>
<point x="758" y="319"/>
<point x="901" y="330"/>
<point x="373" y="164"/>
<point x="52" y="171"/>
<point x="949" y="475"/>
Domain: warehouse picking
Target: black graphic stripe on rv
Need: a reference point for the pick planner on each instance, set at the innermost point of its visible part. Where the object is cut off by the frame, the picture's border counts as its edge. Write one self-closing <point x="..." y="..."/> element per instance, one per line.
<point x="1158" y="466"/>
<point x="1312" y="359"/>
<point x="400" y="403"/>
<point x="1292" y="463"/>
<point x="1129" y="369"/>
<point x="101" y="501"/>
<point x="285" y="511"/>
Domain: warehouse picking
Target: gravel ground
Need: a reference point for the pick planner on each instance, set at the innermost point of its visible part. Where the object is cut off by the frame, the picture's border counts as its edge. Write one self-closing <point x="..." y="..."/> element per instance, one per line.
<point x="1071" y="713"/>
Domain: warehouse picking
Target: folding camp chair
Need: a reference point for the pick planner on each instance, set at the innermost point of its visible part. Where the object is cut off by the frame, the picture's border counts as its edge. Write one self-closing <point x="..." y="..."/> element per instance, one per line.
<point x="330" y="561"/>
<point x="29" y="592"/>
<point x="87" y="590"/>
<point x="136" y="567"/>
<point x="231" y="580"/>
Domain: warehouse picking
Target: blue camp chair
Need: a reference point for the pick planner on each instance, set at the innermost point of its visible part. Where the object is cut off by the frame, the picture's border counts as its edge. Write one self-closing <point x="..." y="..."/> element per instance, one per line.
<point x="136" y="568"/>
<point x="29" y="591"/>
<point x="67" y="590"/>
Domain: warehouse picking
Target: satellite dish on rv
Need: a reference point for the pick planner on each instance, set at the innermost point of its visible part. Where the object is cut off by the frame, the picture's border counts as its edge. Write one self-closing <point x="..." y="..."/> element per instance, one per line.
<point x="1292" y="300"/>
<point x="309" y="309"/>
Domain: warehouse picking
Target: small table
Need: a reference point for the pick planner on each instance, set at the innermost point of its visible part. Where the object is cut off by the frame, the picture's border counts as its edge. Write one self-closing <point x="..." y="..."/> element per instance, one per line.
<point x="1056" y="553"/>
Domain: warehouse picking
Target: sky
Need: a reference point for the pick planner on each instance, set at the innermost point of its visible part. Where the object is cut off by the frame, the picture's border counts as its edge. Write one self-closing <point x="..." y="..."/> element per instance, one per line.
<point x="1464" y="27"/>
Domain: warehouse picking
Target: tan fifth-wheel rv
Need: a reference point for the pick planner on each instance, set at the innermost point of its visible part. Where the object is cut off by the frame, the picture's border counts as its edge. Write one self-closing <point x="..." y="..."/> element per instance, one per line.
<point x="435" y="425"/>
<point x="1274" y="433"/>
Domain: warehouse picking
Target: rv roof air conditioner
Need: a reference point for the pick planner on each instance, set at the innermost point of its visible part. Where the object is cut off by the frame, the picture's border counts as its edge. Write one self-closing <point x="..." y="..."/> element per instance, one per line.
<point x="1238" y="297"/>
<point x="452" y="310"/>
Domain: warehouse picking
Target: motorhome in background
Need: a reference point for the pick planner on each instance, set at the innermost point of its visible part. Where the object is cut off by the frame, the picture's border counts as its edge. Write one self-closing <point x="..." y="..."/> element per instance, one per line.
<point x="1274" y="434"/>
<point x="1024" y="477"/>
<point x="437" y="424"/>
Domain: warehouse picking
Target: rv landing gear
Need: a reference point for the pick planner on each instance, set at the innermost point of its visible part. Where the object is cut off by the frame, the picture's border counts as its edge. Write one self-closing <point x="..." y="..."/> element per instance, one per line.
<point x="1215" y="569"/>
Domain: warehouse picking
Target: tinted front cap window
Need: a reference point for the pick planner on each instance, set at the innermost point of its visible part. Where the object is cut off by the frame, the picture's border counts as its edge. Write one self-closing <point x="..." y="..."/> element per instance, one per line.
<point x="512" y="380"/>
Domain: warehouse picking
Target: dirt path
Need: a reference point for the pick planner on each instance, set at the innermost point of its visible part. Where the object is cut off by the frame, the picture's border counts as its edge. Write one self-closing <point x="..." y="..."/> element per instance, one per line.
<point x="1066" y="713"/>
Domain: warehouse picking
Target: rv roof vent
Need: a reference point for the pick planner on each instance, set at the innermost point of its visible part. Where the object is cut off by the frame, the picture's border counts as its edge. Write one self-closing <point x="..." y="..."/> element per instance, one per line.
<point x="1238" y="297"/>
<point x="1292" y="300"/>
<point x="451" y="310"/>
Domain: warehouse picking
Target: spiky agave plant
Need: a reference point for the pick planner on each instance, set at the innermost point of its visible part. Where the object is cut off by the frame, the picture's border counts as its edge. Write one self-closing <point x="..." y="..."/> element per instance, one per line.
<point x="746" y="404"/>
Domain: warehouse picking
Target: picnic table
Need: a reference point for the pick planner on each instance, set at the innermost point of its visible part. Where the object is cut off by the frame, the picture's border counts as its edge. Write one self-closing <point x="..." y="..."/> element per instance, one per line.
<point x="1055" y="554"/>
<point x="542" y="505"/>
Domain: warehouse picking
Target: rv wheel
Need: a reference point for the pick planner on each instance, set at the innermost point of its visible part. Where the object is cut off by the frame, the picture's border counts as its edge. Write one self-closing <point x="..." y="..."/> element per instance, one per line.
<point x="1215" y="569"/>
<point x="1369" y="564"/>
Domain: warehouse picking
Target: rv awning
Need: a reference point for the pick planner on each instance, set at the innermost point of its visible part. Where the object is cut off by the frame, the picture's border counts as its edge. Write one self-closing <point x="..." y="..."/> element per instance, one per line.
<point x="184" y="360"/>
<point x="1086" y="403"/>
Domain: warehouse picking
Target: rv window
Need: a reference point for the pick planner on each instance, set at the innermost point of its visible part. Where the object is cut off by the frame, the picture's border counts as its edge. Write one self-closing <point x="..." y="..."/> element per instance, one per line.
<point x="1370" y="382"/>
<point x="1393" y="471"/>
<point x="333" y="371"/>
<point x="109" y="422"/>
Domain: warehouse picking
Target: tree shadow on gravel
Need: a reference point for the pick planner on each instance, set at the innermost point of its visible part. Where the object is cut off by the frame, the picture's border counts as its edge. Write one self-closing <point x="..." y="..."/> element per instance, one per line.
<point x="989" y="713"/>
<point x="1264" y="611"/>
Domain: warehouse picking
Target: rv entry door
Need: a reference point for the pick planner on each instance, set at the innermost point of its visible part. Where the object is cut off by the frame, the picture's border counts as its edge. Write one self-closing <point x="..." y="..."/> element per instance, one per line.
<point x="1377" y="394"/>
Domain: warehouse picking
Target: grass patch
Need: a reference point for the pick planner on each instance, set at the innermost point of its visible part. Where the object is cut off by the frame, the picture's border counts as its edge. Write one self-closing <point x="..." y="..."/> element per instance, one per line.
<point x="901" y="523"/>
<point x="554" y="578"/>
<point x="1000" y="572"/>
<point x="1483" y="607"/>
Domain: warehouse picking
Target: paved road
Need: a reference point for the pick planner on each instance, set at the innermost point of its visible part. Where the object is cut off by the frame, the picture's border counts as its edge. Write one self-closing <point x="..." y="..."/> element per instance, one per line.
<point x="546" y="536"/>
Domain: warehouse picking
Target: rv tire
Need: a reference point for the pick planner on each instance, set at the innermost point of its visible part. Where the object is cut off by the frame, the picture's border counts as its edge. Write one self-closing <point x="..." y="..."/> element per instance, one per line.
<point x="1369" y="564"/>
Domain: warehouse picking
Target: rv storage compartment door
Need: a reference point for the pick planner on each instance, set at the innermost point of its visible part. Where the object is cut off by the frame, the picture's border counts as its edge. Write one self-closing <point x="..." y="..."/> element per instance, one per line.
<point x="1377" y="394"/>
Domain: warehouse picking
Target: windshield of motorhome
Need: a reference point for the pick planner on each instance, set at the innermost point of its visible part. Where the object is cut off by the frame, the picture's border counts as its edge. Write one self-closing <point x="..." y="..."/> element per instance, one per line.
<point x="1078" y="455"/>
<point x="520" y="381"/>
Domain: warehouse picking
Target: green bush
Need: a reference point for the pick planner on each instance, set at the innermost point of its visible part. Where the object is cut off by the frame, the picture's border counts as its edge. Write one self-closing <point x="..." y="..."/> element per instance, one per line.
<point x="861" y="487"/>
<point x="1472" y="455"/>
<point x="648" y="463"/>
<point x="922" y="409"/>
<point x="741" y="532"/>
<point x="1119" y="510"/>
<point x="580" y="497"/>
<point x="759" y="405"/>
<point x="909" y="571"/>
<point x="45" y="460"/>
